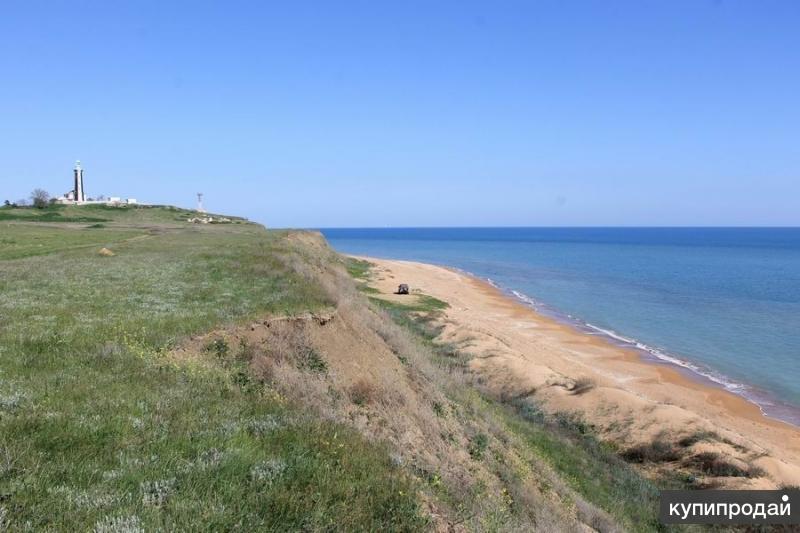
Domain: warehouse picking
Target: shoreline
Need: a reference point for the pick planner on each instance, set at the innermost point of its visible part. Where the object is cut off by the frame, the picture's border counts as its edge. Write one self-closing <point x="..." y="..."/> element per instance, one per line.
<point x="604" y="337"/>
<point x="767" y="402"/>
<point x="519" y="347"/>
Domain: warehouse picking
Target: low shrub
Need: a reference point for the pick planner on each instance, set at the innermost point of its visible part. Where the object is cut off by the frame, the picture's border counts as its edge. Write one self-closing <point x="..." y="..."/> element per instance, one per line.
<point x="309" y="359"/>
<point x="712" y="464"/>
<point x="657" y="451"/>
<point x="699" y="436"/>
<point x="218" y="347"/>
<point x="246" y="351"/>
<point x="477" y="446"/>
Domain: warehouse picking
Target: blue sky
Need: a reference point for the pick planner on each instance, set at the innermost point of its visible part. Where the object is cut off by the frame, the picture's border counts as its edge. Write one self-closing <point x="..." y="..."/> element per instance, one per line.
<point x="319" y="114"/>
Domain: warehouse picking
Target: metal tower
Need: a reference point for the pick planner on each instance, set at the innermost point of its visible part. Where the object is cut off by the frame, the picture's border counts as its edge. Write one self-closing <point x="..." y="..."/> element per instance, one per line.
<point x="200" y="203"/>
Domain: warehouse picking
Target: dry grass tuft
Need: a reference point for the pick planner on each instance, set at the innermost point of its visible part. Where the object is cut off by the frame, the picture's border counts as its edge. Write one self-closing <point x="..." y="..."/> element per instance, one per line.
<point x="657" y="451"/>
<point x="363" y="392"/>
<point x="263" y="369"/>
<point x="713" y="464"/>
<point x="698" y="436"/>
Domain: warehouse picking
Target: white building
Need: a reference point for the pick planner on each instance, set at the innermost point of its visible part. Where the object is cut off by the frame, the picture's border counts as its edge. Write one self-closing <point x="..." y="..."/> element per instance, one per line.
<point x="78" y="194"/>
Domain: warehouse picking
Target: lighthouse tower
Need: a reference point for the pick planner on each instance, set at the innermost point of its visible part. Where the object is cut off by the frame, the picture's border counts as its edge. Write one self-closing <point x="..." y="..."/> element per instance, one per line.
<point x="80" y="196"/>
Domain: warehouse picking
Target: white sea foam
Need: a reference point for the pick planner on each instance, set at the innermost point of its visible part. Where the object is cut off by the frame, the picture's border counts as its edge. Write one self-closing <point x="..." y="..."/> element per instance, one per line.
<point x="759" y="399"/>
<point x="525" y="298"/>
<point x="717" y="378"/>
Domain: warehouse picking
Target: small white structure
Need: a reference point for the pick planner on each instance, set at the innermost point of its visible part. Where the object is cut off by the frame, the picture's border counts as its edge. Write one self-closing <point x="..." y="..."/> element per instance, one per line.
<point x="78" y="194"/>
<point x="206" y="219"/>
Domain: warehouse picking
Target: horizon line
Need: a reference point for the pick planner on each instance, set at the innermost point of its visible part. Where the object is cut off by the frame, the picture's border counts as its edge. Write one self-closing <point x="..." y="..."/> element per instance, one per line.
<point x="320" y="228"/>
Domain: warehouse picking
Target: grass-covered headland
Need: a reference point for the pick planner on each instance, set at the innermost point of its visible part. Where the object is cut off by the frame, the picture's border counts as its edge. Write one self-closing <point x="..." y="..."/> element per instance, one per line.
<point x="213" y="377"/>
<point x="100" y="428"/>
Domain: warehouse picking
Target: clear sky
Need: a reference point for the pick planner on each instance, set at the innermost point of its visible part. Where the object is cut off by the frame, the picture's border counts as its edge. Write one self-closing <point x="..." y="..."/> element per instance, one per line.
<point x="335" y="113"/>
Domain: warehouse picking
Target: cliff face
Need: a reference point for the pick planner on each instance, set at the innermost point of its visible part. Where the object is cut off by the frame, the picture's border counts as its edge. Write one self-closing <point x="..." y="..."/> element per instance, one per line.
<point x="353" y="364"/>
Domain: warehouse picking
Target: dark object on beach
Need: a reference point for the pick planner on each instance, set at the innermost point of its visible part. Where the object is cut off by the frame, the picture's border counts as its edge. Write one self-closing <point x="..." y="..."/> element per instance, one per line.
<point x="402" y="289"/>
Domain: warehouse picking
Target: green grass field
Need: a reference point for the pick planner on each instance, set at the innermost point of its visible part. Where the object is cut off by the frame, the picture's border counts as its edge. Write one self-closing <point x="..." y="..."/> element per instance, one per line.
<point x="101" y="430"/>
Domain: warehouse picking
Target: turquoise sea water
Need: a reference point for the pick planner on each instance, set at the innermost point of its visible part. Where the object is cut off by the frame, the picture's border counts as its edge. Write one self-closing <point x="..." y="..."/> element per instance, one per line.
<point x="721" y="303"/>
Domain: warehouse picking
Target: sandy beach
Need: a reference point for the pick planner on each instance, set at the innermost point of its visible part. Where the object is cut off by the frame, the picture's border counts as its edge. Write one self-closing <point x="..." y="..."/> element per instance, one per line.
<point x="518" y="352"/>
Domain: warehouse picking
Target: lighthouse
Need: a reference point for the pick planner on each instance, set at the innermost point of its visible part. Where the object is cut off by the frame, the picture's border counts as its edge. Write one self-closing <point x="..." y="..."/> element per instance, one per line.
<point x="80" y="196"/>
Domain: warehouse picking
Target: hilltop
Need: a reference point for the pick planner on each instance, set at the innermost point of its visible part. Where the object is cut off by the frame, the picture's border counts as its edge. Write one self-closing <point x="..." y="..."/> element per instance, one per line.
<point x="222" y="376"/>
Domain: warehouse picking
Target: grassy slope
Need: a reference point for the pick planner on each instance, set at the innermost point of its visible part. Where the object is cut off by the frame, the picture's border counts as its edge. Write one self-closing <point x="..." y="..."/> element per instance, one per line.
<point x="589" y="467"/>
<point x="98" y="427"/>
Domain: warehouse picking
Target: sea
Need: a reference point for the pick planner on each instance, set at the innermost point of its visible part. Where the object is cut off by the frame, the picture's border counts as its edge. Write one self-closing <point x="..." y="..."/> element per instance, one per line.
<point x="721" y="304"/>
